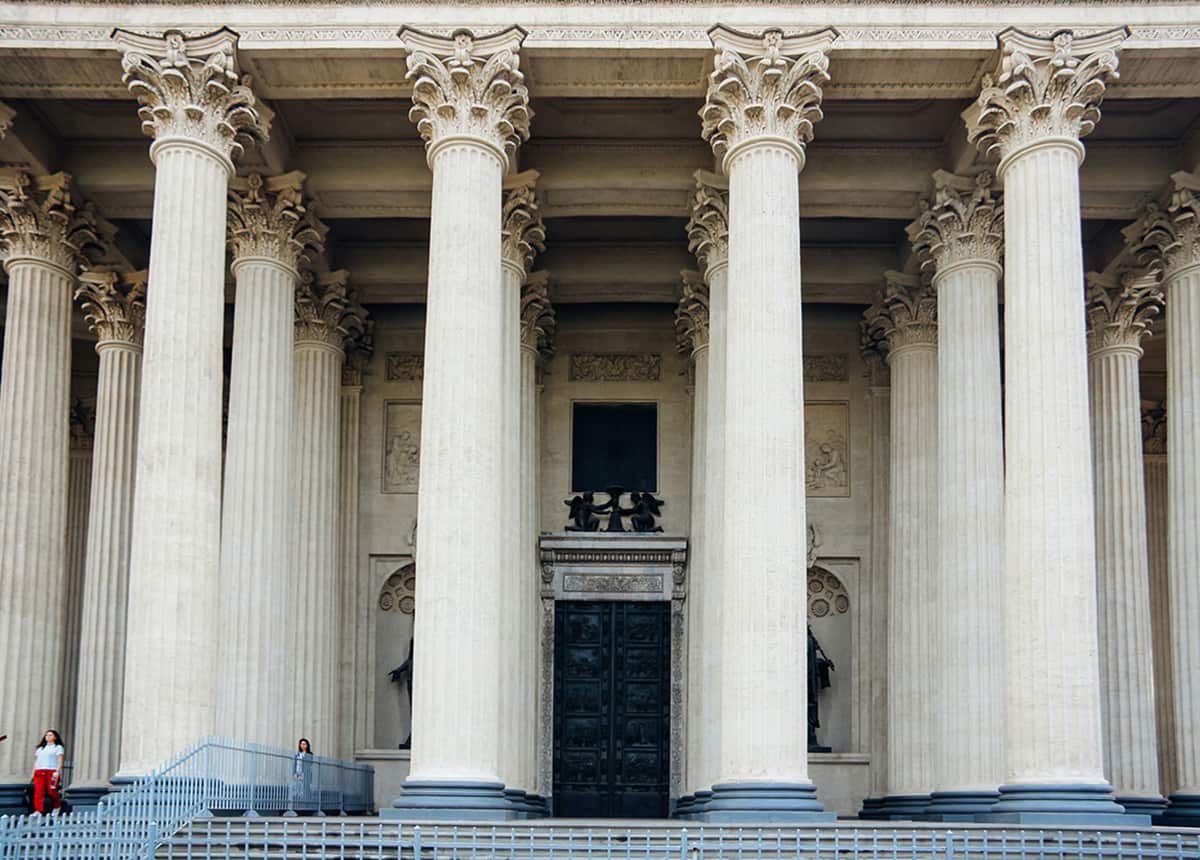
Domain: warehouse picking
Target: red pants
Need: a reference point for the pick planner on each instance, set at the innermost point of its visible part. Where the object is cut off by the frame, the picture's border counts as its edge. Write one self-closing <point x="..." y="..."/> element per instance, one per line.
<point x="45" y="784"/>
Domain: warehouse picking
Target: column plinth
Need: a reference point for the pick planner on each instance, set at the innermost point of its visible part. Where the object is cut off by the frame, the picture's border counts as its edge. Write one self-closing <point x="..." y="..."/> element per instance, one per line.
<point x="755" y="122"/>
<point x="200" y="113"/>
<point x="470" y="106"/>
<point x="43" y="232"/>
<point x="115" y="308"/>
<point x="1054" y="747"/>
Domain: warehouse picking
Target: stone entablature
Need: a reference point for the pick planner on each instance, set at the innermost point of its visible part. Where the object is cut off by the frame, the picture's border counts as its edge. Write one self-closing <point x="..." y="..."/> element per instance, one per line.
<point x="597" y="566"/>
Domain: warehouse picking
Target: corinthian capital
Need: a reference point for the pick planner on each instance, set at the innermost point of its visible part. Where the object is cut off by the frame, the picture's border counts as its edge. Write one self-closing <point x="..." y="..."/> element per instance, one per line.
<point x="468" y="87"/>
<point x="359" y="347"/>
<point x="1154" y="428"/>
<point x="522" y="233"/>
<point x="1044" y="87"/>
<point x="904" y="315"/>
<point x="190" y="88"/>
<point x="691" y="314"/>
<point x="268" y="218"/>
<point x="1120" y="309"/>
<point x="43" y="218"/>
<point x="537" y="315"/>
<point x="327" y="311"/>
<point x="765" y="86"/>
<point x="82" y="418"/>
<point x="1167" y="236"/>
<point x="708" y="226"/>
<point x="965" y="222"/>
<point x="114" y="305"/>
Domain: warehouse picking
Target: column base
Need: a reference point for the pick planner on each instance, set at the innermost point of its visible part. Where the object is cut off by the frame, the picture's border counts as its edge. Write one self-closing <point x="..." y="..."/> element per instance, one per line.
<point x="902" y="807"/>
<point x="959" y="805"/>
<point x="764" y="802"/>
<point x="13" y="798"/>
<point x="682" y="808"/>
<point x="870" y="808"/>
<point x="1053" y="805"/>
<point x="86" y="797"/>
<point x="1183" y="811"/>
<point x="1143" y="804"/>
<point x="435" y="800"/>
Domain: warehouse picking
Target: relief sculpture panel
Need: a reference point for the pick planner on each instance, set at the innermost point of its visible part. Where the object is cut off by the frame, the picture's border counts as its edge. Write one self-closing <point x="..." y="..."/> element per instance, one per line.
<point x="401" y="445"/>
<point x="827" y="449"/>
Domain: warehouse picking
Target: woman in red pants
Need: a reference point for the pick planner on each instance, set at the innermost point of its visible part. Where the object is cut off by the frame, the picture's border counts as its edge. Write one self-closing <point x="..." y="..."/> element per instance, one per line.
<point x="47" y="772"/>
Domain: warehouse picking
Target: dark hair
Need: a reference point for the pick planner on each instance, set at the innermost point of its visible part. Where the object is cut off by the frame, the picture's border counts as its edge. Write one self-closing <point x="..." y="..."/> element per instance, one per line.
<point x="57" y="738"/>
<point x="301" y="749"/>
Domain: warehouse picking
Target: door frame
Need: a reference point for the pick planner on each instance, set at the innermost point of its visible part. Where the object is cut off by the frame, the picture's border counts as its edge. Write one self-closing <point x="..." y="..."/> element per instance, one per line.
<point x="602" y="567"/>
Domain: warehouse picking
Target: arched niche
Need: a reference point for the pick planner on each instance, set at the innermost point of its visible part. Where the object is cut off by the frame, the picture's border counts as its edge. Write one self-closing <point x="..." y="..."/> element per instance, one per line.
<point x="393" y="635"/>
<point x="830" y="616"/>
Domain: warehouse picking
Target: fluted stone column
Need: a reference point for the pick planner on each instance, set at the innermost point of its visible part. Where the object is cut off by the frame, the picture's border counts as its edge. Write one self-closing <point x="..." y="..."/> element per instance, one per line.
<point x="200" y="113"/>
<point x="708" y="239"/>
<point x="1154" y="462"/>
<point x="1043" y="98"/>
<point x="271" y="233"/>
<point x="763" y="97"/>
<point x="522" y="237"/>
<point x="1171" y="239"/>
<point x="960" y="241"/>
<point x="470" y="106"/>
<point x="44" y="229"/>
<point x="691" y="339"/>
<point x="905" y="320"/>
<point x="79" y="480"/>
<point x="537" y="338"/>
<point x="114" y="306"/>
<point x="1119" y="312"/>
<point x="352" y="718"/>
<point x="326" y="316"/>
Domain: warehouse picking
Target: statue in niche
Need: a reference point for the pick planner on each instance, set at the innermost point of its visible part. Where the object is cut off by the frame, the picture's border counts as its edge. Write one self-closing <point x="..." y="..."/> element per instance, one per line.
<point x="819" y="667"/>
<point x="404" y="674"/>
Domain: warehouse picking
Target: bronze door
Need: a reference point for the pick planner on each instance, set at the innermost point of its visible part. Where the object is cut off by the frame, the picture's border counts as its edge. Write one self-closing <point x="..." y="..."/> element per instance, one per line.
<point x="612" y="709"/>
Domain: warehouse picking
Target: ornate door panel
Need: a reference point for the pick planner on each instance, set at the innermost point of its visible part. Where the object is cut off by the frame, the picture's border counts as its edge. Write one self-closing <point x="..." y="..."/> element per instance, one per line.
<point x="611" y="709"/>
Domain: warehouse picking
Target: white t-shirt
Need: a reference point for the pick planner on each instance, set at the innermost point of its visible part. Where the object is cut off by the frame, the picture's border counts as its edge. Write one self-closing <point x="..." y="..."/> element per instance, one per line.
<point x="46" y="757"/>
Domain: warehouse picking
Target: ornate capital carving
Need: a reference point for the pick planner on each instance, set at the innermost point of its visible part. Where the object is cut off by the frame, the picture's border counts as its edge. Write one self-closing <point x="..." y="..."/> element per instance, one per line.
<point x="6" y="119"/>
<point x="1167" y="236"/>
<point x="268" y="218"/>
<point x="82" y="417"/>
<point x="42" y="217"/>
<point x="537" y="315"/>
<point x="708" y="226"/>
<point x="905" y="314"/>
<point x="1120" y="309"/>
<point x="965" y="223"/>
<point x="360" y="344"/>
<point x="114" y="305"/>
<point x="873" y="345"/>
<point x="1044" y="87"/>
<point x="764" y="86"/>
<point x="522" y="234"/>
<point x="468" y="87"/>
<point x="691" y="314"/>
<point x="191" y="88"/>
<point x="326" y="310"/>
<point x="1154" y="428"/>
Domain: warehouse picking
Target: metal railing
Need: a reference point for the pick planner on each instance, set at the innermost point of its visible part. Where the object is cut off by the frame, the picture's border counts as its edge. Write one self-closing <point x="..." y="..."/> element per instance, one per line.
<point x="374" y="839"/>
<point x="215" y="777"/>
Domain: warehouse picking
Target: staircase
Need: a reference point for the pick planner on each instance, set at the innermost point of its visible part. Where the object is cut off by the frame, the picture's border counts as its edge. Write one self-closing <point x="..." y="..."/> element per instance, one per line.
<point x="376" y="839"/>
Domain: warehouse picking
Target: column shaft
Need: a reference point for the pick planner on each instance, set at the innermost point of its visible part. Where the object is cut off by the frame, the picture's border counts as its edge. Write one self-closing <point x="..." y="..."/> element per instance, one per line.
<point x="354" y="603"/>
<point x="697" y="550"/>
<point x="529" y="489"/>
<point x="79" y="481"/>
<point x="970" y="488"/>
<point x="1160" y="618"/>
<point x="106" y="580"/>
<point x="1053" y="741"/>
<point x="1122" y="579"/>
<point x="34" y="394"/>
<point x="253" y="688"/>
<point x="172" y="634"/>
<point x="880" y="405"/>
<point x="314" y="603"/>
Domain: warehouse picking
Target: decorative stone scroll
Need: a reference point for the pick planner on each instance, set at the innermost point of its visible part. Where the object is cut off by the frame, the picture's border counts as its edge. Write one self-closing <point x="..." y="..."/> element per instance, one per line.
<point x="268" y="218"/>
<point x="827" y="449"/>
<point x="833" y="367"/>
<point x="1120" y="309"/>
<point x="191" y="88"/>
<point x="1044" y="88"/>
<point x="468" y="87"/>
<point x="765" y="86"/>
<point x="965" y="222"/>
<point x="399" y="593"/>
<point x="43" y="218"/>
<point x="615" y="367"/>
<point x="404" y="366"/>
<point x="114" y="305"/>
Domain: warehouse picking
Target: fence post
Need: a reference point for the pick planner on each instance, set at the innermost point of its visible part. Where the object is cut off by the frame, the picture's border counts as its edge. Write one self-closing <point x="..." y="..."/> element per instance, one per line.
<point x="252" y="812"/>
<point x="416" y="842"/>
<point x="683" y="844"/>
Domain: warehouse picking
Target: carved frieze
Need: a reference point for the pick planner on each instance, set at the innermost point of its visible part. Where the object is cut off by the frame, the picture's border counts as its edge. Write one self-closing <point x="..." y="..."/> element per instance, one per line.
<point x="615" y="367"/>
<point x="114" y="305"/>
<point x="401" y="446"/>
<point x="612" y="583"/>
<point x="827" y="449"/>
<point x="831" y="367"/>
<point x="404" y="366"/>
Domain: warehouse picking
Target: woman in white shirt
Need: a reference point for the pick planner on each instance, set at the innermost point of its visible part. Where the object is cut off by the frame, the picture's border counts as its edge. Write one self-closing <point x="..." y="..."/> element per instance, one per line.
<point x="47" y="772"/>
